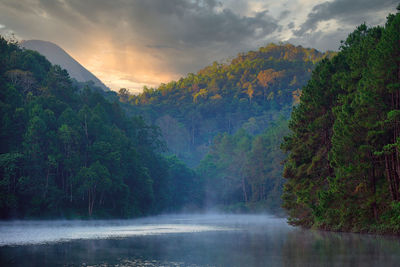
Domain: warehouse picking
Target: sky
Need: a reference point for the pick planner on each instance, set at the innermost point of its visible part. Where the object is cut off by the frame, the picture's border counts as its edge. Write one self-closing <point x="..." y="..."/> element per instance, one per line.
<point x="132" y="43"/>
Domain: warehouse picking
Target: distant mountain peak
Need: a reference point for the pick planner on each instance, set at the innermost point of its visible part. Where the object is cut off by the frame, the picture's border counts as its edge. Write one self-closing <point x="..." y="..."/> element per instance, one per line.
<point x="56" y="55"/>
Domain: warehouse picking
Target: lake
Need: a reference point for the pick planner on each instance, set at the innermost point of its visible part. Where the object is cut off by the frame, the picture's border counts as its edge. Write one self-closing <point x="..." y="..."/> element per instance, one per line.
<point x="188" y="240"/>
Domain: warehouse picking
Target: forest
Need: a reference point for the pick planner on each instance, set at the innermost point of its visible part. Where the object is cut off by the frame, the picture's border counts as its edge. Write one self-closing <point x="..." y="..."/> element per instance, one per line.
<point x="249" y="91"/>
<point x="343" y="167"/>
<point x="67" y="152"/>
<point x="199" y="133"/>
<point x="210" y="140"/>
<point x="227" y="122"/>
<point x="284" y="126"/>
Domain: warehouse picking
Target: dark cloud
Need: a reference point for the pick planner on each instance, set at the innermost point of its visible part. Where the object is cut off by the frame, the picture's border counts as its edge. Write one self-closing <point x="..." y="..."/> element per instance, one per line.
<point x="351" y="12"/>
<point x="284" y="14"/>
<point x="176" y="22"/>
<point x="186" y="26"/>
<point x="321" y="40"/>
<point x="149" y="41"/>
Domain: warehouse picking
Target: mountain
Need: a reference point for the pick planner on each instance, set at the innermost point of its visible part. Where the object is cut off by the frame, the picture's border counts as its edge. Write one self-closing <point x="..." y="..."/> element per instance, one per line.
<point x="250" y="92"/>
<point x="57" y="56"/>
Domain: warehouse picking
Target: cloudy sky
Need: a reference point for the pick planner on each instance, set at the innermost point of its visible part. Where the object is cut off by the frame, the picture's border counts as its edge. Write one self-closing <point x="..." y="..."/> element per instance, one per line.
<point x="131" y="43"/>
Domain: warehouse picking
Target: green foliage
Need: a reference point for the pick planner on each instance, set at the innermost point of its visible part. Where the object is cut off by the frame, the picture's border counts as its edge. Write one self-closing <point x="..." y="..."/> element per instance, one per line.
<point x="66" y="151"/>
<point x="343" y="165"/>
<point x="228" y="117"/>
<point x="243" y="172"/>
<point x="224" y="97"/>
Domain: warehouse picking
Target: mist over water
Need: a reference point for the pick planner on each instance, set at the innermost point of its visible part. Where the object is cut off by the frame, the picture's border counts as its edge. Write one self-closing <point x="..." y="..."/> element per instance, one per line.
<point x="38" y="232"/>
<point x="188" y="240"/>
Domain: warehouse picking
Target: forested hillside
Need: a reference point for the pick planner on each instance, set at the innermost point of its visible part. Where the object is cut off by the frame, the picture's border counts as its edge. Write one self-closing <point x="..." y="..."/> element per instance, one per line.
<point x="228" y="121"/>
<point x="68" y="149"/>
<point x="243" y="173"/>
<point x="343" y="168"/>
<point x="250" y="92"/>
<point x="65" y="151"/>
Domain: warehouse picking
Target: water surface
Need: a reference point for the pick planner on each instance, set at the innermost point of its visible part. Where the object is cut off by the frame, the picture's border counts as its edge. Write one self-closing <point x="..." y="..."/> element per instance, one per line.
<point x="188" y="240"/>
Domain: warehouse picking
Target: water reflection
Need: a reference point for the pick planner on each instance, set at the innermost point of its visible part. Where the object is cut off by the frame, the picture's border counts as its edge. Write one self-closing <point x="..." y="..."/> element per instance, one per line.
<point x="311" y="248"/>
<point x="224" y="240"/>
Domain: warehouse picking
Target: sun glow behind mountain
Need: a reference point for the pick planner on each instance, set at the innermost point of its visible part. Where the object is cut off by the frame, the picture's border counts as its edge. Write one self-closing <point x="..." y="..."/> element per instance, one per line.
<point x="125" y="67"/>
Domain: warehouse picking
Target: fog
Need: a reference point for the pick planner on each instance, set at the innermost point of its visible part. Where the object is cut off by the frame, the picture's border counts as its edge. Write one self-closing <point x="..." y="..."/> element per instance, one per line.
<point x="188" y="240"/>
<point x="39" y="232"/>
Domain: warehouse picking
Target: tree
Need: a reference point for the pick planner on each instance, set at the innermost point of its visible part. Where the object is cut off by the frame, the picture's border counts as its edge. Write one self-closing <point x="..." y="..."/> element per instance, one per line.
<point x="267" y="77"/>
<point x="124" y="95"/>
<point x="343" y="165"/>
<point x="94" y="180"/>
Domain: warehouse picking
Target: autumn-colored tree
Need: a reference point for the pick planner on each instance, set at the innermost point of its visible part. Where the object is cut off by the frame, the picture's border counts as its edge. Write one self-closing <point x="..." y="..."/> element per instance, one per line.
<point x="267" y="77"/>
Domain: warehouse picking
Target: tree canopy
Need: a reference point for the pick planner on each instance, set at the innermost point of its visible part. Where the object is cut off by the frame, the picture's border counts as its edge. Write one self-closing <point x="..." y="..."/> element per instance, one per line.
<point x="66" y="151"/>
<point x="343" y="170"/>
<point x="254" y="88"/>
